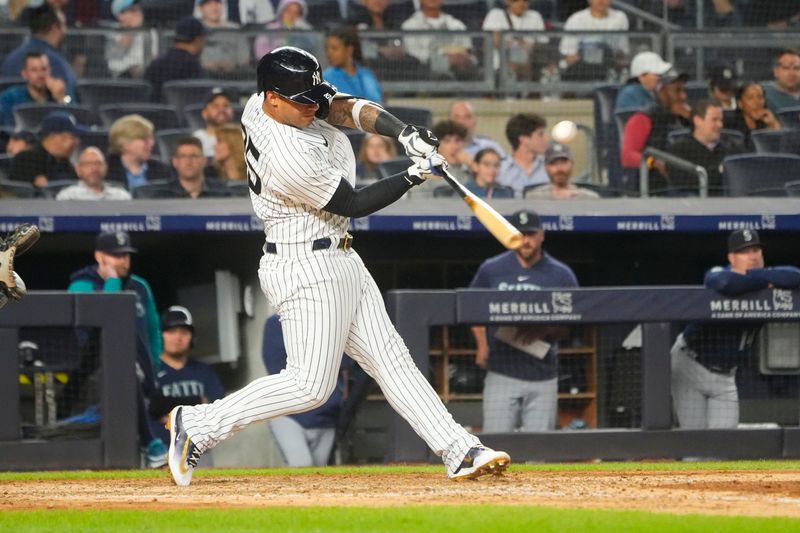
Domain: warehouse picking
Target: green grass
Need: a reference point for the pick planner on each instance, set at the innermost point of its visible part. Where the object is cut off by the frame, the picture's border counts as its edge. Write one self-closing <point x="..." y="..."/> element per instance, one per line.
<point x="403" y="469"/>
<point x="433" y="519"/>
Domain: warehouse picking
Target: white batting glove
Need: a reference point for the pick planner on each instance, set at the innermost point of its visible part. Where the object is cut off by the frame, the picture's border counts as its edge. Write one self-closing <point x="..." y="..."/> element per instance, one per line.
<point x="418" y="142"/>
<point x="426" y="168"/>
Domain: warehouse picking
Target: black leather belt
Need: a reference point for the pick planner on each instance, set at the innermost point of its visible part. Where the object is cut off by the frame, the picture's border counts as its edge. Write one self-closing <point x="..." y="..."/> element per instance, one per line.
<point x="345" y="243"/>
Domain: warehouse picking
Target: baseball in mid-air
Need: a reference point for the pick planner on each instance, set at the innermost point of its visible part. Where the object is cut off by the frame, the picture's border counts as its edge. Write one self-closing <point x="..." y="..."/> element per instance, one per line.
<point x="564" y="132"/>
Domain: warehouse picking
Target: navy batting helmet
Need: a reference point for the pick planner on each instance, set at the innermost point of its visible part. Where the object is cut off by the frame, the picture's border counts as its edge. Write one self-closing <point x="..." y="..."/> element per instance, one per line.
<point x="295" y="75"/>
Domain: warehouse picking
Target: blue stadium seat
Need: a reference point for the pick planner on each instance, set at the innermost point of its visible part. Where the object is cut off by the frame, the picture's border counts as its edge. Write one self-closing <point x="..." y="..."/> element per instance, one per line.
<point x="30" y="116"/>
<point x="166" y="140"/>
<point x="759" y="174"/>
<point x="152" y="190"/>
<point x="356" y="138"/>
<point x="697" y="90"/>
<point x="94" y="93"/>
<point x="96" y="137"/>
<point x="419" y="116"/>
<point x="792" y="188"/>
<point x="18" y="189"/>
<point x="790" y="117"/>
<point x="777" y="141"/>
<point x="240" y="189"/>
<point x="162" y="116"/>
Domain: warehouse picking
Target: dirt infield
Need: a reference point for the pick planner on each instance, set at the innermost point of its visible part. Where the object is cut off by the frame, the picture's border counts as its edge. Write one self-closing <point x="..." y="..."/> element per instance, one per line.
<point x="753" y="493"/>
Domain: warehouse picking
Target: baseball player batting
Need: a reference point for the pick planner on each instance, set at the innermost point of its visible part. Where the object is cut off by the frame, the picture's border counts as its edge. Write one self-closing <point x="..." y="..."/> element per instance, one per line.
<point x="301" y="171"/>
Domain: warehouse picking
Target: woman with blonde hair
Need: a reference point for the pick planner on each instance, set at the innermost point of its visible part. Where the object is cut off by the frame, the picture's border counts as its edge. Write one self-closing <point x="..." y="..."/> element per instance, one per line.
<point x="229" y="153"/>
<point x="130" y="147"/>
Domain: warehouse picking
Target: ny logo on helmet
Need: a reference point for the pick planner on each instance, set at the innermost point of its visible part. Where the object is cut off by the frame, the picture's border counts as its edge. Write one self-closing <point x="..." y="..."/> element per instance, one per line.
<point x="316" y="78"/>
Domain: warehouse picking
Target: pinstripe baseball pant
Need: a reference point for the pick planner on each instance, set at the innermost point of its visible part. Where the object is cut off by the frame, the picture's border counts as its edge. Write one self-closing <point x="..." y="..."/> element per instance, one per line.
<point x="329" y="304"/>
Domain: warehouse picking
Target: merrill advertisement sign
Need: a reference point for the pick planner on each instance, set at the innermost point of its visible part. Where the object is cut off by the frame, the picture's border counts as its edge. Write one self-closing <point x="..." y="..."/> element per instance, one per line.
<point x="624" y="304"/>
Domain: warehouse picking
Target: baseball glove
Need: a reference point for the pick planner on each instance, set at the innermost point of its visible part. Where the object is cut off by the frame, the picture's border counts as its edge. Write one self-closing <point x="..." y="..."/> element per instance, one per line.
<point x="17" y="243"/>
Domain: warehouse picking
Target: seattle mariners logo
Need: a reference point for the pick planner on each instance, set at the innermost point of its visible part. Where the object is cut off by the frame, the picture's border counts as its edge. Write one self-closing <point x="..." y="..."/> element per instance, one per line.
<point x="562" y="302"/>
<point x="747" y="235"/>
<point x="782" y="300"/>
<point x="316" y="78"/>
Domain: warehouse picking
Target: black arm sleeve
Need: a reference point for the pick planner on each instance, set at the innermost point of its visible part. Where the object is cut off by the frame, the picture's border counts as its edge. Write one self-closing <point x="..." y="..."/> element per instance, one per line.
<point x="348" y="202"/>
<point x="388" y="124"/>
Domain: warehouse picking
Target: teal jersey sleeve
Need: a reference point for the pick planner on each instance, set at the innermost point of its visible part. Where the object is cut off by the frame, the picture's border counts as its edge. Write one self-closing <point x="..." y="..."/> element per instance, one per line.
<point x="153" y="325"/>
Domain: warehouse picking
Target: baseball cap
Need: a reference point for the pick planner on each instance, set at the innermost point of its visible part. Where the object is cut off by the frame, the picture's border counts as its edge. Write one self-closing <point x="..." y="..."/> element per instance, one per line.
<point x="177" y="316"/>
<point x="24" y="135"/>
<point x="60" y="122"/>
<point x="118" y="6"/>
<point x="743" y="238"/>
<point x="648" y="63"/>
<point x="722" y="76"/>
<point x="114" y="242"/>
<point x="189" y="28"/>
<point x="526" y="221"/>
<point x="219" y="91"/>
<point x="557" y="151"/>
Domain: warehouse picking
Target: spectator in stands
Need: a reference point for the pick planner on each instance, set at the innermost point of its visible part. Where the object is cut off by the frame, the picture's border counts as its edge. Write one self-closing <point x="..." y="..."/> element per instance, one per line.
<point x="181" y="378"/>
<point x="130" y="145"/>
<point x="19" y="141"/>
<point x="751" y="113"/>
<point x="559" y="164"/>
<point x="224" y="52"/>
<point x="650" y="128"/>
<point x="343" y="50"/>
<point x="374" y="149"/>
<point x="217" y="112"/>
<point x="229" y="153"/>
<point x="39" y="87"/>
<point x="452" y="136"/>
<point x="591" y="57"/>
<point x="189" y="164"/>
<point x="516" y="16"/>
<point x="640" y="91"/>
<point x="705" y="147"/>
<point x="485" y="169"/>
<point x="48" y="29"/>
<point x="245" y="13"/>
<point x="91" y="170"/>
<point x="50" y="159"/>
<point x="722" y="85"/>
<point x="112" y="274"/>
<point x="373" y="15"/>
<point x="526" y="135"/>
<point x="181" y="62"/>
<point x="305" y="439"/>
<point x="784" y="92"/>
<point x="291" y="16"/>
<point x="705" y="356"/>
<point x="521" y="386"/>
<point x="444" y="55"/>
<point x="462" y="112"/>
<point x="125" y="51"/>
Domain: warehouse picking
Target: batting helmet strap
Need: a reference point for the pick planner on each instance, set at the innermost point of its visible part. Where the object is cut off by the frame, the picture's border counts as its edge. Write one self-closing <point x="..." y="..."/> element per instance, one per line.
<point x="295" y="74"/>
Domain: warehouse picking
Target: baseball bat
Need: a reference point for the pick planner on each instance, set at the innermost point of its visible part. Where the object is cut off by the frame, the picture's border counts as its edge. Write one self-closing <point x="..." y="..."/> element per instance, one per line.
<point x="499" y="227"/>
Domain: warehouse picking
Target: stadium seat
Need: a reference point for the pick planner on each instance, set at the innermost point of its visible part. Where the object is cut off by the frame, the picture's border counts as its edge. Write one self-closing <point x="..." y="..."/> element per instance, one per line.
<point x="29" y="116"/>
<point x="393" y="166"/>
<point x="98" y="138"/>
<point x="792" y="188"/>
<point x="17" y="189"/>
<point x="182" y="93"/>
<point x="759" y="174"/>
<point x="52" y="188"/>
<point x="194" y="120"/>
<point x="790" y="117"/>
<point x="94" y="93"/>
<point x="238" y="188"/>
<point x="696" y="91"/>
<point x="165" y="142"/>
<point x="419" y="116"/>
<point x="10" y="81"/>
<point x="162" y="116"/>
<point x="356" y="137"/>
<point x="5" y="165"/>
<point x="777" y="141"/>
<point x="153" y="190"/>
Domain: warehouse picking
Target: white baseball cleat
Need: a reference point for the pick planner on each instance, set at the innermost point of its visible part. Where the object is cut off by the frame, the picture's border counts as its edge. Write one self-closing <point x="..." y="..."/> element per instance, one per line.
<point x="183" y="454"/>
<point x="480" y="461"/>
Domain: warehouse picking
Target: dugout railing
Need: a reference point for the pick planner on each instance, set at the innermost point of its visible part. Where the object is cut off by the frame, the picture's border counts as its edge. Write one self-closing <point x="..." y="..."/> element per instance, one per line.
<point x="112" y="317"/>
<point x="657" y="310"/>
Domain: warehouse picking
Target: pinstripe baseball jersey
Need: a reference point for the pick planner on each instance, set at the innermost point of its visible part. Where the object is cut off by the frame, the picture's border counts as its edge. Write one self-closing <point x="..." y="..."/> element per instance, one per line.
<point x="293" y="173"/>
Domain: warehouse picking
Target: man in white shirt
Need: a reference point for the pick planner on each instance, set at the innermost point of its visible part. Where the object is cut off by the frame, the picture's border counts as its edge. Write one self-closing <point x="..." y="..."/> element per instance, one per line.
<point x="528" y="139"/>
<point x="597" y="17"/>
<point x="92" y="169"/>
<point x="516" y="16"/>
<point x="444" y="54"/>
